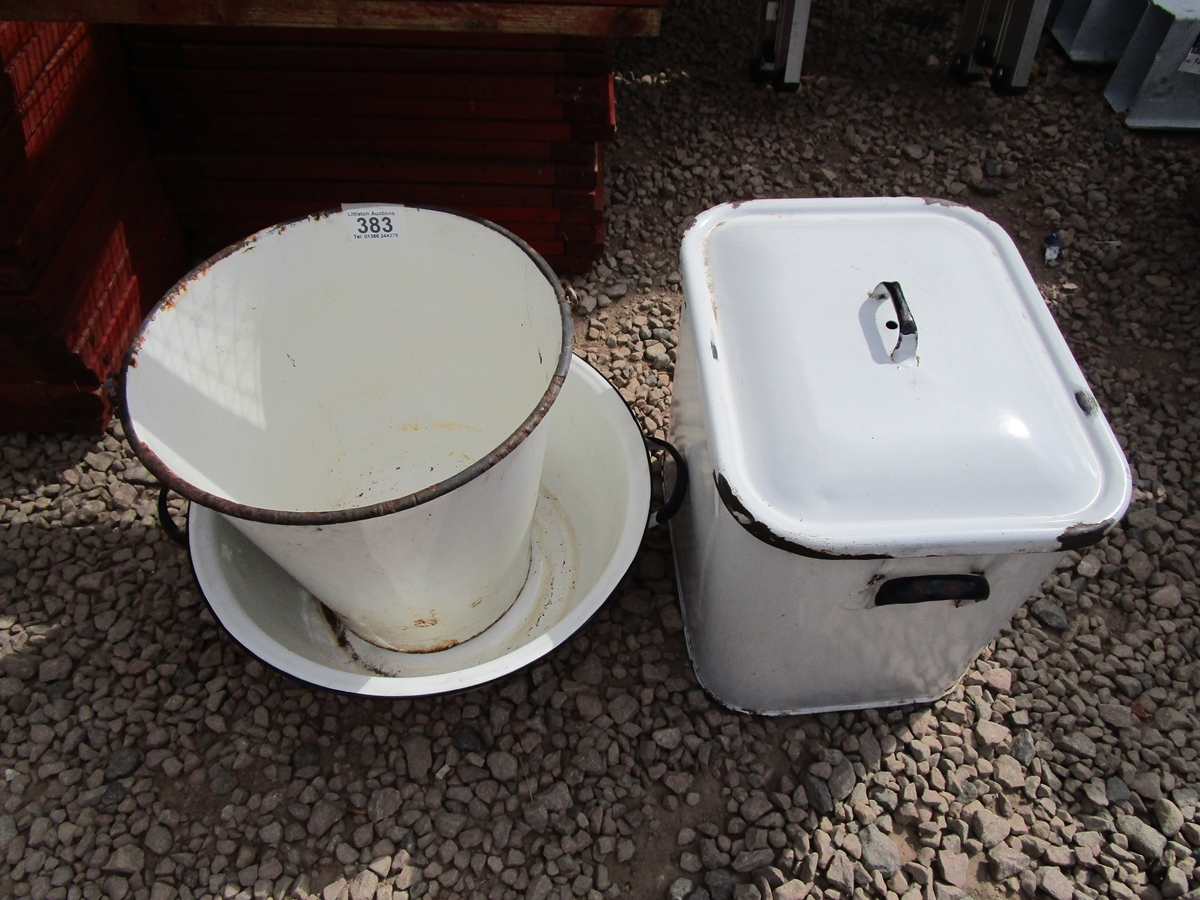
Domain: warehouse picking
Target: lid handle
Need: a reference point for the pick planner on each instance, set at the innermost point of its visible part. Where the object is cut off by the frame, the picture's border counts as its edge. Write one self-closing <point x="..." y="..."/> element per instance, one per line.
<point x="906" y="346"/>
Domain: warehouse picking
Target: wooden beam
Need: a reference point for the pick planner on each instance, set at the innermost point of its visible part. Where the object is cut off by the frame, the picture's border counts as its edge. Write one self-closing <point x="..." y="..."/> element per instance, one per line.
<point x="556" y="17"/>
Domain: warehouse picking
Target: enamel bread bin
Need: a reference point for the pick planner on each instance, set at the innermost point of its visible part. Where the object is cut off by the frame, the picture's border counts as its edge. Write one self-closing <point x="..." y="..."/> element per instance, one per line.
<point x="889" y="444"/>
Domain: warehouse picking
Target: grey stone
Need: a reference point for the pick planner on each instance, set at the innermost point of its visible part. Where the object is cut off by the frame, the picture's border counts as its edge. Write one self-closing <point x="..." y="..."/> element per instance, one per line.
<point x="953" y="867"/>
<point x="158" y="840"/>
<point x="126" y="860"/>
<point x="383" y="804"/>
<point x="842" y="780"/>
<point x="1174" y="883"/>
<point x="323" y="815"/>
<point x="622" y="708"/>
<point x="363" y="885"/>
<point x="1007" y="770"/>
<point x="755" y="807"/>
<point x="1148" y="785"/>
<point x="840" y="873"/>
<point x="1079" y="744"/>
<point x="990" y="828"/>
<point x="417" y="756"/>
<point x="679" y="889"/>
<point x="539" y="888"/>
<point x="795" y="889"/>
<point x="407" y="877"/>
<point x="1166" y="597"/>
<point x="1049" y="614"/>
<point x="449" y="824"/>
<point x="8" y="831"/>
<point x="1007" y="862"/>
<point x="1055" y="883"/>
<point x="749" y="860"/>
<point x="123" y="762"/>
<point x="818" y="794"/>
<point x="223" y="782"/>
<point x="719" y="884"/>
<point x="557" y="799"/>
<point x="1024" y="748"/>
<point x="1142" y="838"/>
<point x="1170" y="818"/>
<point x="1117" y="715"/>
<point x="992" y="734"/>
<point x="1116" y="790"/>
<point x="55" y="669"/>
<point x="503" y="765"/>
<point x="879" y="852"/>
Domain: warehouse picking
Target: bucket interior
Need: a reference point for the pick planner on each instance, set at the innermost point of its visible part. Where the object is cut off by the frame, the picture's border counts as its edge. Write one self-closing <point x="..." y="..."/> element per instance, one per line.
<point x="314" y="370"/>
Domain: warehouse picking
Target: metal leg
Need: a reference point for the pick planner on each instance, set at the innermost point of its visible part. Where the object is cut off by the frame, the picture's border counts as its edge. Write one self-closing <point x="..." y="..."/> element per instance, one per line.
<point x="762" y="62"/>
<point x="963" y="67"/>
<point x="1018" y="45"/>
<point x="790" y="34"/>
<point x="779" y="43"/>
<point x="991" y="31"/>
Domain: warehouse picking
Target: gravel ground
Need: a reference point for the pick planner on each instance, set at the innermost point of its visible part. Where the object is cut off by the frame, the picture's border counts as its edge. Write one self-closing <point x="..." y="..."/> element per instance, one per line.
<point x="145" y="755"/>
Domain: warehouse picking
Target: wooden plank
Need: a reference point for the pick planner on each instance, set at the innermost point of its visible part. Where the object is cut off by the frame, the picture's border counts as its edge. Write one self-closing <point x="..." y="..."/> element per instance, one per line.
<point x="329" y="194"/>
<point x="548" y="17"/>
<point x="52" y="283"/>
<point x="25" y="66"/>
<point x="410" y="85"/>
<point x="309" y="58"/>
<point x="331" y="144"/>
<point x="301" y="169"/>
<point x="15" y="35"/>
<point x="367" y="128"/>
<point x="386" y="107"/>
<point x="369" y="38"/>
<point x="32" y="167"/>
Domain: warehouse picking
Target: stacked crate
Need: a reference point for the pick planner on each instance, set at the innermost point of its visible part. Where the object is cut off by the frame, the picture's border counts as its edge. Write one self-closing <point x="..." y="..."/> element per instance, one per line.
<point x="88" y="239"/>
<point x="254" y="126"/>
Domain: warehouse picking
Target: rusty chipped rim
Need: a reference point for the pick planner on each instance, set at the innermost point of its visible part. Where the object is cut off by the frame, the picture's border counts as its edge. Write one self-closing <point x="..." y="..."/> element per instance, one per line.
<point x="223" y="505"/>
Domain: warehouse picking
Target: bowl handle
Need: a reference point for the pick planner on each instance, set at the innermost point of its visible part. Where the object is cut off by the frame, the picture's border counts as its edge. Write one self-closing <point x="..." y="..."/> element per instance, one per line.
<point x="675" y="501"/>
<point x="168" y="524"/>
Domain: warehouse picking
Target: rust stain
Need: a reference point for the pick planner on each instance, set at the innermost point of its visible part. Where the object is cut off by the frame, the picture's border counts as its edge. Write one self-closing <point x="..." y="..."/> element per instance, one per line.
<point x="426" y="623"/>
<point x="760" y="530"/>
<point x="444" y="645"/>
<point x="1084" y="534"/>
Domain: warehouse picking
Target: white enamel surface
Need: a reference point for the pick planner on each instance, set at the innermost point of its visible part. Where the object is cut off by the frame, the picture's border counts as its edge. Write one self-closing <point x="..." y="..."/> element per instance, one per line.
<point x="976" y="446"/>
<point x="595" y="492"/>
<point x="313" y="369"/>
<point x="429" y="576"/>
<point x="310" y="372"/>
<point x="774" y="632"/>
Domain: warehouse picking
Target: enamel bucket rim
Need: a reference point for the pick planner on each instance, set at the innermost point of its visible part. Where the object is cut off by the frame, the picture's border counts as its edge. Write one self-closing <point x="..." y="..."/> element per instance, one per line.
<point x="228" y="507"/>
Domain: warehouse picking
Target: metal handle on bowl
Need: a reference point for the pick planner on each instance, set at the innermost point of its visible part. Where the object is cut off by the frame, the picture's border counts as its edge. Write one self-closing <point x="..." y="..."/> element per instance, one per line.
<point x="572" y="297"/>
<point x="174" y="532"/>
<point x="679" y="492"/>
<point x="906" y="346"/>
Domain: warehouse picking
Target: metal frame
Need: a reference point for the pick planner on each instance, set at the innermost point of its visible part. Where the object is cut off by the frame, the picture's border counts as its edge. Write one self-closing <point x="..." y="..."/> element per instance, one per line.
<point x="779" y="43"/>
<point x="1151" y="84"/>
<point x="1097" y="31"/>
<point x="1001" y="35"/>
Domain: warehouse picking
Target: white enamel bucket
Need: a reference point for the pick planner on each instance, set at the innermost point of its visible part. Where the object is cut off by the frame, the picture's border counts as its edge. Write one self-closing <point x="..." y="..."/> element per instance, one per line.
<point x="360" y="392"/>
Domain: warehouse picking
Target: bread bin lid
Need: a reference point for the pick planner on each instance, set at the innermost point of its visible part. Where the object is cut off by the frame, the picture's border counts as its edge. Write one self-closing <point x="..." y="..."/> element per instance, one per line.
<point x="881" y="377"/>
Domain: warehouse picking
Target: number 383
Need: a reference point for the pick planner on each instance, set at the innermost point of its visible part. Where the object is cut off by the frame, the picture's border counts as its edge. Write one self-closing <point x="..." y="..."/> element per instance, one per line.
<point x="374" y="224"/>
